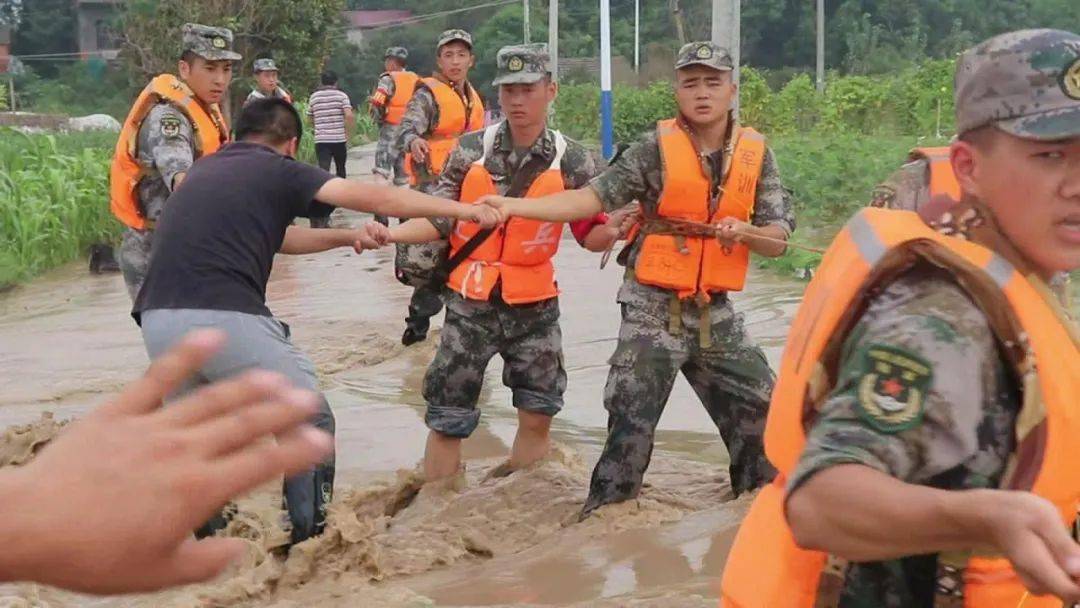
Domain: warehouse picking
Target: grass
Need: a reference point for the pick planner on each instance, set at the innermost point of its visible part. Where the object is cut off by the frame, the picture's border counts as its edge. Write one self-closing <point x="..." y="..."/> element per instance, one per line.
<point x="54" y="200"/>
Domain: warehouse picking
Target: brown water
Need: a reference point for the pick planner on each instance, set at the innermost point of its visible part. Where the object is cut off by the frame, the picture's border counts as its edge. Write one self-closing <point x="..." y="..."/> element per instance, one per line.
<point x="66" y="342"/>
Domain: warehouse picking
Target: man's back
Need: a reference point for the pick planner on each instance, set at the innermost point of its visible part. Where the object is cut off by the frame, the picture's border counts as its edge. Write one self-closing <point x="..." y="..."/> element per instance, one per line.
<point x="216" y="241"/>
<point x="327" y="108"/>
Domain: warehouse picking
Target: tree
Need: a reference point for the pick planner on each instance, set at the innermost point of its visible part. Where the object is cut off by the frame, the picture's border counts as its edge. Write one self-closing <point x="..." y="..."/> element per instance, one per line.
<point x="44" y="27"/>
<point x="297" y="35"/>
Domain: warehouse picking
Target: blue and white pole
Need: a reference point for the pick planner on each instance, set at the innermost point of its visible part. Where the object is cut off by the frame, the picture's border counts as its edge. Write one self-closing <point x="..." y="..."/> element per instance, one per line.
<point x="606" y="131"/>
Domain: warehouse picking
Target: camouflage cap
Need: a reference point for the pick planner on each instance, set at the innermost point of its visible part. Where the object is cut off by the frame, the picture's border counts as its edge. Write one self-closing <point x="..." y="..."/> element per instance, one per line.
<point x="1026" y="83"/>
<point x="449" y="36"/>
<point x="396" y="52"/>
<point x="210" y="43"/>
<point x="708" y="54"/>
<point x="265" y="65"/>
<point x="521" y="63"/>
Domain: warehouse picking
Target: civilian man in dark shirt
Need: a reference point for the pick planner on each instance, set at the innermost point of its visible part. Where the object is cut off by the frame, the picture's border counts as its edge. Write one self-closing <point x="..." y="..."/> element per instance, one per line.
<point x="214" y="250"/>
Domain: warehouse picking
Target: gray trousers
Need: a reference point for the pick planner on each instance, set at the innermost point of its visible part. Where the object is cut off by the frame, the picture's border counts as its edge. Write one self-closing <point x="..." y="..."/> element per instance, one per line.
<point x="255" y="341"/>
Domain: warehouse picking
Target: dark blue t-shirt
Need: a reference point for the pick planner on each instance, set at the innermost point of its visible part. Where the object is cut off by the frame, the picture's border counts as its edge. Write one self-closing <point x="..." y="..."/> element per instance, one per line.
<point x="214" y="244"/>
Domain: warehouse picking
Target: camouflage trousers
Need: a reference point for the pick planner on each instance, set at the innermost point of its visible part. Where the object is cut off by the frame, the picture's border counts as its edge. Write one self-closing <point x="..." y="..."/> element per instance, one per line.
<point x="731" y="378"/>
<point x="135" y="258"/>
<point x="528" y="339"/>
<point x="389" y="160"/>
<point x="415" y="265"/>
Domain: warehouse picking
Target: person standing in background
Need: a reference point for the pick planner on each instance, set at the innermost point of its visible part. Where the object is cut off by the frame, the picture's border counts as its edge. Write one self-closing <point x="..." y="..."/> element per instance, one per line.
<point x="267" y="83"/>
<point x="332" y="116"/>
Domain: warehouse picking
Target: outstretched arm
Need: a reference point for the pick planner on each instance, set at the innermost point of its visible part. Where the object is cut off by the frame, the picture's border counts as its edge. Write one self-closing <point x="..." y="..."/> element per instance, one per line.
<point x="400" y="202"/>
<point x="419" y="230"/>
<point x="564" y="206"/>
<point x="300" y="241"/>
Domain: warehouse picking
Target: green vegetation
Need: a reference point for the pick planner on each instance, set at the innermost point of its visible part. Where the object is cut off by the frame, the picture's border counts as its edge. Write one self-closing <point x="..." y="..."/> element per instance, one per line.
<point x="53" y="200"/>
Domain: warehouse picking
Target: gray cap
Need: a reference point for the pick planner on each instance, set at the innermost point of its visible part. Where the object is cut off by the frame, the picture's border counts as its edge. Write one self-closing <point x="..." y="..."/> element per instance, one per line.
<point x="210" y="43"/>
<point x="397" y="52"/>
<point x="265" y="65"/>
<point x="1026" y="83"/>
<point x="449" y="36"/>
<point x="708" y="54"/>
<point x="521" y="63"/>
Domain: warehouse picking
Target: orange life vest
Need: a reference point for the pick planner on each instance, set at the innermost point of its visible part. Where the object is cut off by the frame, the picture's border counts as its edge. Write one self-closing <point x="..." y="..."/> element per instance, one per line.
<point x="454" y="121"/>
<point x="519" y="253"/>
<point x="694" y="265"/>
<point x="766" y="569"/>
<point x="404" y="86"/>
<point x="210" y="130"/>
<point x="942" y="178"/>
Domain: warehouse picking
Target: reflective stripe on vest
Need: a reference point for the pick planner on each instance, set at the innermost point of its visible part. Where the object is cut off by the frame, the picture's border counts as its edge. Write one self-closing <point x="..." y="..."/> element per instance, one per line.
<point x="697" y="265"/>
<point x="454" y="121"/>
<point x="210" y="131"/>
<point x="404" y="86"/>
<point x="766" y="568"/>
<point x="518" y="254"/>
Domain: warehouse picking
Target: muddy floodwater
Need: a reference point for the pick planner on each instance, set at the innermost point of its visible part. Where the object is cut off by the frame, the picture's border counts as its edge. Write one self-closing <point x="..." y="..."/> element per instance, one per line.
<point x="67" y="341"/>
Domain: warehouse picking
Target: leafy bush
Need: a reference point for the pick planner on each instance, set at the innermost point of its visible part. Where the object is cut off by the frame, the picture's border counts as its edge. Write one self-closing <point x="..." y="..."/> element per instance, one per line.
<point x="53" y="200"/>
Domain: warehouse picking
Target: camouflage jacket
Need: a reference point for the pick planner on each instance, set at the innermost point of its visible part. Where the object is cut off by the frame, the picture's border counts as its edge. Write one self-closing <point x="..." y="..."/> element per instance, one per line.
<point x="165" y="149"/>
<point x="960" y="438"/>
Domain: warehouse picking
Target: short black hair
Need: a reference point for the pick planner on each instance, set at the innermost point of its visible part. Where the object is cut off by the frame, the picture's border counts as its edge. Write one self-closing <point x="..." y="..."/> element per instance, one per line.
<point x="328" y="78"/>
<point x="188" y="57"/>
<point x="272" y="119"/>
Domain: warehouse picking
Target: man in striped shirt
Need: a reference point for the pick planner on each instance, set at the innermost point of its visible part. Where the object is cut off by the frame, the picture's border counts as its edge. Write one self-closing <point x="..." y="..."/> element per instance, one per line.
<point x="332" y="115"/>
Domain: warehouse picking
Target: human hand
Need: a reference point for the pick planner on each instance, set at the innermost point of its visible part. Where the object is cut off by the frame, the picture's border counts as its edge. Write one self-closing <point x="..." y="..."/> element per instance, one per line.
<point x="372" y="235"/>
<point x="110" y="505"/>
<point x="485" y="215"/>
<point x="420" y="149"/>
<point x="731" y="231"/>
<point x="503" y="204"/>
<point x="622" y="220"/>
<point x="1028" y="530"/>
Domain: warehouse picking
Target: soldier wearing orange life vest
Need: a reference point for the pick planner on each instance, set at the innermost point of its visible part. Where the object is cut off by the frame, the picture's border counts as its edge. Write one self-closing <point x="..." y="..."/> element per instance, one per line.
<point x="392" y="93"/>
<point x="173" y="122"/>
<point x="502" y="297"/>
<point x="676" y="314"/>
<point x="444" y="107"/>
<point x="926" y="416"/>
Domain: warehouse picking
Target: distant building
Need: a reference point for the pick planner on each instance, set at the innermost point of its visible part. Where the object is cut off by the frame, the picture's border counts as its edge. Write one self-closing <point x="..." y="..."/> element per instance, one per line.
<point x="96" y="35"/>
<point x="357" y="22"/>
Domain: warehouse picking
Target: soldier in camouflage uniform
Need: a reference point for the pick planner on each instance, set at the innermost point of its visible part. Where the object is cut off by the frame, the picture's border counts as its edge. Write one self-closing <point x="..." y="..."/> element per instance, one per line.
<point x="1018" y="93"/>
<point x="266" y="79"/>
<point x="414" y="264"/>
<point x="662" y="335"/>
<point x="527" y="336"/>
<point x="166" y="140"/>
<point x="389" y="158"/>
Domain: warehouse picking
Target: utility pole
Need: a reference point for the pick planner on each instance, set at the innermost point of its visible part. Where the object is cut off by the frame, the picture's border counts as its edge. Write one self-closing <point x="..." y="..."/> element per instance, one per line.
<point x="606" y="129"/>
<point x="637" y="36"/>
<point x="676" y="13"/>
<point x="528" y="36"/>
<point x="820" y="46"/>
<point x="553" y="37"/>
<point x="727" y="32"/>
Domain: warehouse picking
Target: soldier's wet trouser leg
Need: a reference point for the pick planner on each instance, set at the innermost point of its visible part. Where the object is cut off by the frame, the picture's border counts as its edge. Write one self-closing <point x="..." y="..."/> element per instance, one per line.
<point x="426" y="302"/>
<point x="453" y="380"/>
<point x="643" y="370"/>
<point x="135" y="258"/>
<point x="256" y="342"/>
<point x="734" y="382"/>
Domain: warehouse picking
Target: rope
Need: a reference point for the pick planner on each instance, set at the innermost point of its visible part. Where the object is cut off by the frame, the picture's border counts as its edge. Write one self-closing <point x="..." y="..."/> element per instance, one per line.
<point x="681" y="227"/>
